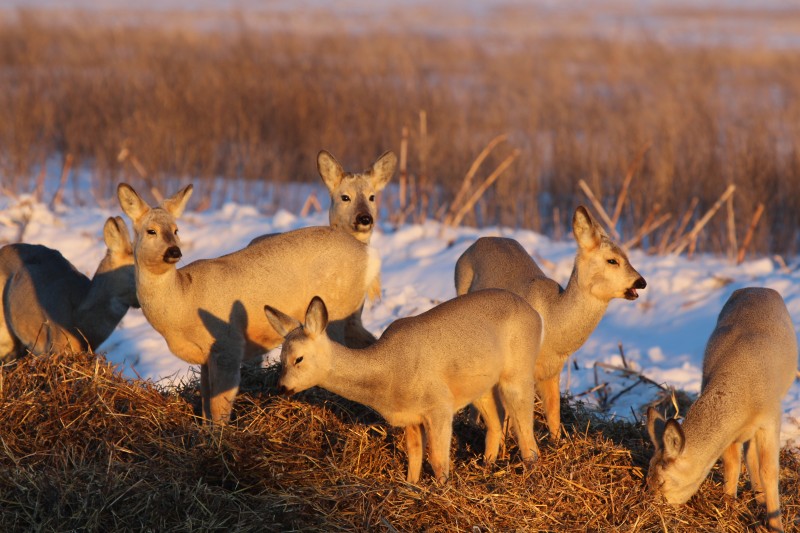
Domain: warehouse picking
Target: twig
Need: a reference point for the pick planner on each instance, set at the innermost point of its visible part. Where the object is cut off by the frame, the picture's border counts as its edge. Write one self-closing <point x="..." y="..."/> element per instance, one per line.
<point x="692" y="235"/>
<point x="599" y="208"/>
<point x="623" y="193"/>
<point x="782" y="263"/>
<point x="687" y="216"/>
<point x="485" y="185"/>
<point x="645" y="231"/>
<point x="57" y="197"/>
<point x="628" y="372"/>
<point x="622" y="354"/>
<point x="403" y="167"/>
<point x="310" y="202"/>
<point x="732" y="244"/>
<point x="750" y="231"/>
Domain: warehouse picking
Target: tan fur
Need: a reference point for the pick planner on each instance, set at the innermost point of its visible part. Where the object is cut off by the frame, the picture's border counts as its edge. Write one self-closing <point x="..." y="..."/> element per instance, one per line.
<point x="48" y="305"/>
<point x="480" y="349"/>
<point x="210" y="311"/>
<point x="569" y="315"/>
<point x="749" y="366"/>
<point x="354" y="209"/>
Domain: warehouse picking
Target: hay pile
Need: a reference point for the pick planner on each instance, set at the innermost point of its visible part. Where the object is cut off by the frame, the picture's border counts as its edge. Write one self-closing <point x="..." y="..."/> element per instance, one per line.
<point x="83" y="448"/>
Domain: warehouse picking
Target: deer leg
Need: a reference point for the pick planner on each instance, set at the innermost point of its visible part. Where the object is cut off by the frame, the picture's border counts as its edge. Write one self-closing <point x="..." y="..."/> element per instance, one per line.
<point x="751" y="458"/>
<point x="355" y="334"/>
<point x="490" y="412"/>
<point x="415" y="450"/>
<point x="768" y="443"/>
<point x="439" y="430"/>
<point x="205" y="392"/>
<point x="550" y="393"/>
<point x="731" y="468"/>
<point x="224" y="376"/>
<point x="518" y="401"/>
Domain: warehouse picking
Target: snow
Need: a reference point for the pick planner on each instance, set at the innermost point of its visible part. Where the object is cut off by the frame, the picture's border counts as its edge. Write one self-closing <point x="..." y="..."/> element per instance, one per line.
<point x="663" y="333"/>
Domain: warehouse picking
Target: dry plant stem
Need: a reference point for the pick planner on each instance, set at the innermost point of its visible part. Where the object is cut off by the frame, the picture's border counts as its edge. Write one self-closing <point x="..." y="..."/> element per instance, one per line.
<point x="750" y="232"/>
<point x="732" y="244"/>
<point x="310" y="202"/>
<point x="485" y="185"/>
<point x="687" y="216"/>
<point x="466" y="183"/>
<point x="623" y="193"/>
<point x="647" y="230"/>
<point x="599" y="208"/>
<point x="59" y="194"/>
<point x="691" y="237"/>
<point x="662" y="245"/>
<point x="403" y="167"/>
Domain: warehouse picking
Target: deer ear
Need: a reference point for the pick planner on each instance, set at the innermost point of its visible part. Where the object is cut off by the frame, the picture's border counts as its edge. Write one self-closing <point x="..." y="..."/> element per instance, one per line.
<point x="383" y="170"/>
<point x="281" y="322"/>
<point x="176" y="203"/>
<point x="674" y="439"/>
<point x="131" y="203"/>
<point x="330" y="170"/>
<point x="316" y="317"/>
<point x="116" y="236"/>
<point x="587" y="233"/>
<point x="655" y="427"/>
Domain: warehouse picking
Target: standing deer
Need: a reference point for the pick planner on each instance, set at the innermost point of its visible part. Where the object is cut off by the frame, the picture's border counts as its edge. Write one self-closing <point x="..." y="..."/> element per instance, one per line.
<point x="354" y="209"/>
<point x="602" y="272"/>
<point x="210" y="311"/>
<point x="749" y="366"/>
<point x="48" y="305"/>
<point x="479" y="349"/>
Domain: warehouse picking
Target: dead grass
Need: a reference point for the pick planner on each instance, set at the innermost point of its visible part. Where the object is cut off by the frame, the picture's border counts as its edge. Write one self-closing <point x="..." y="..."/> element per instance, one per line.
<point x="81" y="448"/>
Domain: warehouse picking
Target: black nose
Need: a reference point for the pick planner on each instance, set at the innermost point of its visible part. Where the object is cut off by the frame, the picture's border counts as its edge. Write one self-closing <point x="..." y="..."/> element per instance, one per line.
<point x="364" y="219"/>
<point x="640" y="284"/>
<point x="173" y="252"/>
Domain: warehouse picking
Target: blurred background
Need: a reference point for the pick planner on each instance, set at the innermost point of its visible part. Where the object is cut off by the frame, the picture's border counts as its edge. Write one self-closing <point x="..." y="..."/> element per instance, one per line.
<point x="657" y="106"/>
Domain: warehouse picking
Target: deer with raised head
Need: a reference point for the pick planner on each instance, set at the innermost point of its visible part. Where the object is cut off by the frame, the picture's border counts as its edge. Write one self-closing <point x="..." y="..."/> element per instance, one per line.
<point x="479" y="349"/>
<point x="749" y="365"/>
<point x="48" y="305"/>
<point x="210" y="312"/>
<point x="601" y="272"/>
<point x="354" y="209"/>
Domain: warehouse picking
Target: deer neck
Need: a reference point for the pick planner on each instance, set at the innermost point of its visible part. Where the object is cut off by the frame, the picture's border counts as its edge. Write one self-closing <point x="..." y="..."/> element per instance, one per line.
<point x="101" y="311"/>
<point x="357" y="375"/>
<point x="573" y="316"/>
<point x="161" y="293"/>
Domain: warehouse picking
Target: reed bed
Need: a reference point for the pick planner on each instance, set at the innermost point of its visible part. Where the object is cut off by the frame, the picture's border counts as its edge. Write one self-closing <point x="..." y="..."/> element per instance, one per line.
<point x="82" y="448"/>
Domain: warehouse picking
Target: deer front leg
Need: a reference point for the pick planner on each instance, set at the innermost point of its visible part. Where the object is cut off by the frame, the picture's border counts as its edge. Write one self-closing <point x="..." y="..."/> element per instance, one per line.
<point x="550" y="392"/>
<point x="492" y="416"/>
<point x="224" y="376"/>
<point x="731" y="468"/>
<point x="751" y="458"/>
<point x="518" y="400"/>
<point x="439" y="429"/>
<point x="415" y="450"/>
<point x="768" y="444"/>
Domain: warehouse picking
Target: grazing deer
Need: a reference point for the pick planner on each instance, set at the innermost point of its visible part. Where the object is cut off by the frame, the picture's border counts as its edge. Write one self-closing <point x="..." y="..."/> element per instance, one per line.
<point x="602" y="272"/>
<point x="480" y="348"/>
<point x="354" y="210"/>
<point x="749" y="365"/>
<point x="48" y="305"/>
<point x="210" y="311"/>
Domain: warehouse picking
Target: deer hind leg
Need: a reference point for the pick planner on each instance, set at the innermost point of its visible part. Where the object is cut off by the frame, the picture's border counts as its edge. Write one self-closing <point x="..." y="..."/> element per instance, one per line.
<point x="731" y="468"/>
<point x="550" y="392"/>
<point x="751" y="458"/>
<point x="415" y="448"/>
<point x="518" y="401"/>
<point x="439" y="430"/>
<point x="493" y="414"/>
<point x="768" y="444"/>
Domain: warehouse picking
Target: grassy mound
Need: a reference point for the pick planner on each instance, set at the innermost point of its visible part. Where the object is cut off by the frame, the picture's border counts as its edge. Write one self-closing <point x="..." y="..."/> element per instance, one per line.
<point x="82" y="448"/>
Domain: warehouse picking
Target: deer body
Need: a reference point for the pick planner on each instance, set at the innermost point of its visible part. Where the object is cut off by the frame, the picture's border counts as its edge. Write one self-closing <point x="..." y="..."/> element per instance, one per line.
<point x="210" y="311"/>
<point x="602" y="272"/>
<point x="353" y="209"/>
<point x="48" y="305"/>
<point x="749" y="365"/>
<point x="480" y="349"/>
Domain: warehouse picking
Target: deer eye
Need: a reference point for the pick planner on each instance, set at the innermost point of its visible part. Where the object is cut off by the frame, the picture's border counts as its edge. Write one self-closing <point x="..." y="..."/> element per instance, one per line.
<point x="176" y="232"/>
<point x="371" y="197"/>
<point x="612" y="262"/>
<point x="151" y="232"/>
<point x="298" y="360"/>
<point x="345" y="198"/>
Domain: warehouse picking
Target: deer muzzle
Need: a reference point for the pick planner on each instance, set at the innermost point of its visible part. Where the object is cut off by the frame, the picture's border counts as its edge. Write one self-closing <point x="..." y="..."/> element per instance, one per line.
<point x="172" y="255"/>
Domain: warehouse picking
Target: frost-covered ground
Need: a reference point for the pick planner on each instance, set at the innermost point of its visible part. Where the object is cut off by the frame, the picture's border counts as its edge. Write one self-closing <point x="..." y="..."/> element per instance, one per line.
<point x="663" y="333"/>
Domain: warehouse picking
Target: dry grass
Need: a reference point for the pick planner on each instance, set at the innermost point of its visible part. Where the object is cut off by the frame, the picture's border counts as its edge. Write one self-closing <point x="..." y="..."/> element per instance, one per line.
<point x="249" y="104"/>
<point x="81" y="448"/>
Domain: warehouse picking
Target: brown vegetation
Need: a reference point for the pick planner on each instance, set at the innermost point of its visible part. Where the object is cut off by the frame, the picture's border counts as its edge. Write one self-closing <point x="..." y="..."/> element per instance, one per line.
<point x="82" y="448"/>
<point x="250" y="104"/>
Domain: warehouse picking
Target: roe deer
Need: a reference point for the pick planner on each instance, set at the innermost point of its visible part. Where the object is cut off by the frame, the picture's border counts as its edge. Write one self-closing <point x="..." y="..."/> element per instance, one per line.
<point x="48" y="305"/>
<point x="354" y="210"/>
<point x="210" y="311"/>
<point x="480" y="348"/>
<point x="749" y="364"/>
<point x="602" y="272"/>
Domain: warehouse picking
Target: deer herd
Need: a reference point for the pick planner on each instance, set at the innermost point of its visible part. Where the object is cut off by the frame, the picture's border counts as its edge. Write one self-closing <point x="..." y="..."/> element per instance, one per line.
<point x="501" y="341"/>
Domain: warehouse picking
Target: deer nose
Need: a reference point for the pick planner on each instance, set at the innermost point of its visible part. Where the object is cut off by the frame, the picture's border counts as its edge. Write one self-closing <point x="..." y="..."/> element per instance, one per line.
<point x="173" y="254"/>
<point x="364" y="219"/>
<point x="640" y="283"/>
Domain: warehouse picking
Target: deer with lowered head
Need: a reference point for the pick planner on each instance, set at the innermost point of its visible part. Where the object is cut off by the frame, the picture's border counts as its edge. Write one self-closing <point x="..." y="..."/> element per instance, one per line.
<point x="480" y="349"/>
<point x="354" y="209"/>
<point x="210" y="312"/>
<point x="749" y="365"/>
<point x="601" y="273"/>
<point x="48" y="305"/>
